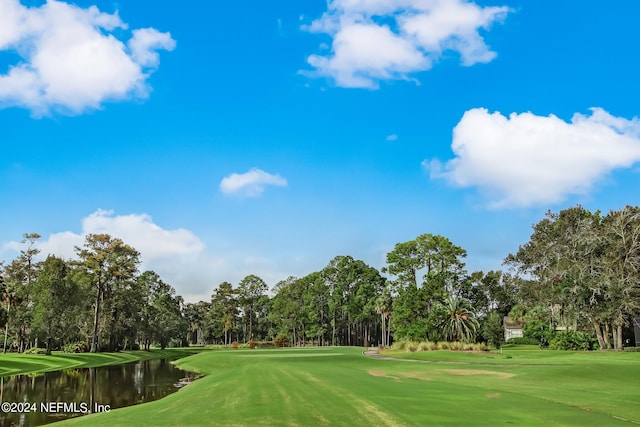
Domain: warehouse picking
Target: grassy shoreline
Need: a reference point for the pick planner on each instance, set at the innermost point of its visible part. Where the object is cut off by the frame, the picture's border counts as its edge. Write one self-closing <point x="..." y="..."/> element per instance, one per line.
<point x="16" y="364"/>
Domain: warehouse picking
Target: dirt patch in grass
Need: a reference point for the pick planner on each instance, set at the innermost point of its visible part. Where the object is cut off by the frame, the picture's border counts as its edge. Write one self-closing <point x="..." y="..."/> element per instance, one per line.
<point x="423" y="376"/>
<point x="381" y="374"/>
<point x="493" y="395"/>
<point x="466" y="372"/>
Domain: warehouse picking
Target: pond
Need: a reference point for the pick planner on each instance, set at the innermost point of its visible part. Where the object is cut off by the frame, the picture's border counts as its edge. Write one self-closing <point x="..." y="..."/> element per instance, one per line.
<point x="53" y="396"/>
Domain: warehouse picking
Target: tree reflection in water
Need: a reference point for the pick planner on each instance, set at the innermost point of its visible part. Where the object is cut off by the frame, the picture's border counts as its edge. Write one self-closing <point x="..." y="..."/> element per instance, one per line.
<point x="115" y="386"/>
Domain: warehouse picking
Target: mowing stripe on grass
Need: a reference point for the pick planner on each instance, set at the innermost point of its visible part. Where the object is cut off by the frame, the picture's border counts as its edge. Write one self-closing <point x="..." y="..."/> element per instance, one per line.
<point x="350" y="390"/>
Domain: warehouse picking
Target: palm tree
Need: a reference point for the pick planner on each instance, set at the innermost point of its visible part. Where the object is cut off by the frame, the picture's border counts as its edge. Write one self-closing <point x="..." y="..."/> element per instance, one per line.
<point x="383" y="308"/>
<point x="458" y="321"/>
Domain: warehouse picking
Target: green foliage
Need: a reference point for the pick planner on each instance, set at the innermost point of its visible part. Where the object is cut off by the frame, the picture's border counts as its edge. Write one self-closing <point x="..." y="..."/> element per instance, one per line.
<point x="585" y="265"/>
<point x="223" y="313"/>
<point x="414" y="309"/>
<point x="36" y="350"/>
<point x="410" y="319"/>
<point x="250" y="289"/>
<point x="75" y="347"/>
<point x="571" y="340"/>
<point x="281" y="340"/>
<point x="492" y="329"/>
<point x="110" y="266"/>
<point x="457" y="319"/>
<point x="632" y="349"/>
<point x="539" y="332"/>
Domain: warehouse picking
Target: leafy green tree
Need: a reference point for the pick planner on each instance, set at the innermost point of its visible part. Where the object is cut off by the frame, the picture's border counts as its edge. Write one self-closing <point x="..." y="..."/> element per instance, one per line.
<point x="585" y="266"/>
<point x="19" y="275"/>
<point x="491" y="291"/>
<point x="315" y="297"/>
<point x="167" y="321"/>
<point x="621" y="267"/>
<point x="54" y="296"/>
<point x="196" y="315"/>
<point x="492" y="329"/>
<point x="147" y="281"/>
<point x="249" y="290"/>
<point x="287" y="308"/>
<point x="441" y="264"/>
<point x="538" y="330"/>
<point x="106" y="262"/>
<point x="353" y="288"/>
<point x="123" y="311"/>
<point x="224" y="309"/>
<point x="411" y="318"/>
<point x="564" y="256"/>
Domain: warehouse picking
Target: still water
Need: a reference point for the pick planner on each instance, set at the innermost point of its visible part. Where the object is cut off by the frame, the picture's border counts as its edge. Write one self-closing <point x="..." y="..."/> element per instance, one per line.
<point x="53" y="396"/>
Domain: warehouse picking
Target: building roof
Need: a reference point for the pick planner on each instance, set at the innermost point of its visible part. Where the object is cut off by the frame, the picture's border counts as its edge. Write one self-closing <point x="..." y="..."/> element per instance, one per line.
<point x="512" y="324"/>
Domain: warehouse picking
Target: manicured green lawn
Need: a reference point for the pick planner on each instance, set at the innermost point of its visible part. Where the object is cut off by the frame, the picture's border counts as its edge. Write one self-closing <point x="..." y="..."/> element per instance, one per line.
<point x="13" y="364"/>
<point x="341" y="387"/>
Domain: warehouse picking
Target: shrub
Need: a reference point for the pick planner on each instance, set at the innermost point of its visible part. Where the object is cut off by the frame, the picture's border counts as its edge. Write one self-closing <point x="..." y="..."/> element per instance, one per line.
<point x="444" y="345"/>
<point x="280" y="340"/>
<point x="234" y="345"/>
<point x="36" y="350"/>
<point x="632" y="349"/>
<point x="492" y="329"/>
<point x="426" y="346"/>
<point x="483" y="347"/>
<point x="539" y="331"/>
<point x="252" y="344"/>
<point x="75" y="347"/>
<point x="456" y="346"/>
<point x="401" y="345"/>
<point x="571" y="340"/>
<point x="9" y="341"/>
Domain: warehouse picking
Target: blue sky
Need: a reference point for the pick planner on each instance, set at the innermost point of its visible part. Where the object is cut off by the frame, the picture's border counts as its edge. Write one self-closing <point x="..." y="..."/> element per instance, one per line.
<point x="226" y="139"/>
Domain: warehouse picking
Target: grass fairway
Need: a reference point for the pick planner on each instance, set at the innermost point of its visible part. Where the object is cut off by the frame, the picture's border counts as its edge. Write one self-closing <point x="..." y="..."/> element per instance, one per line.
<point x="14" y="364"/>
<point x="341" y="387"/>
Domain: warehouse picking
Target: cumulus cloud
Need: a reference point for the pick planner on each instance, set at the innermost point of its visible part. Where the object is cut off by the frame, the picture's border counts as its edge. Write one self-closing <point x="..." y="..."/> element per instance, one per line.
<point x="138" y="230"/>
<point x="525" y="160"/>
<point x="73" y="59"/>
<point x="178" y="256"/>
<point x="392" y="137"/>
<point x="376" y="40"/>
<point x="250" y="184"/>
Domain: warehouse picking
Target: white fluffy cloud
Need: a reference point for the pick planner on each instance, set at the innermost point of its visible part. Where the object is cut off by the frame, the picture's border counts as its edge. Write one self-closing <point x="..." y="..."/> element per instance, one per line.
<point x="377" y="40"/>
<point x="154" y="243"/>
<point x="524" y="159"/>
<point x="178" y="256"/>
<point x="250" y="184"/>
<point x="72" y="59"/>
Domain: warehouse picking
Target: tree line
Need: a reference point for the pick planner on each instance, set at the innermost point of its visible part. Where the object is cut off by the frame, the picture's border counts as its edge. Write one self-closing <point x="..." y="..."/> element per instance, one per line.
<point x="99" y="302"/>
<point x="579" y="274"/>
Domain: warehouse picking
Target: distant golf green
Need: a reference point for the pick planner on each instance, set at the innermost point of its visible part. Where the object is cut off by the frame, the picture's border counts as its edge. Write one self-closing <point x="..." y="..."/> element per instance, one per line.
<point x="342" y="387"/>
